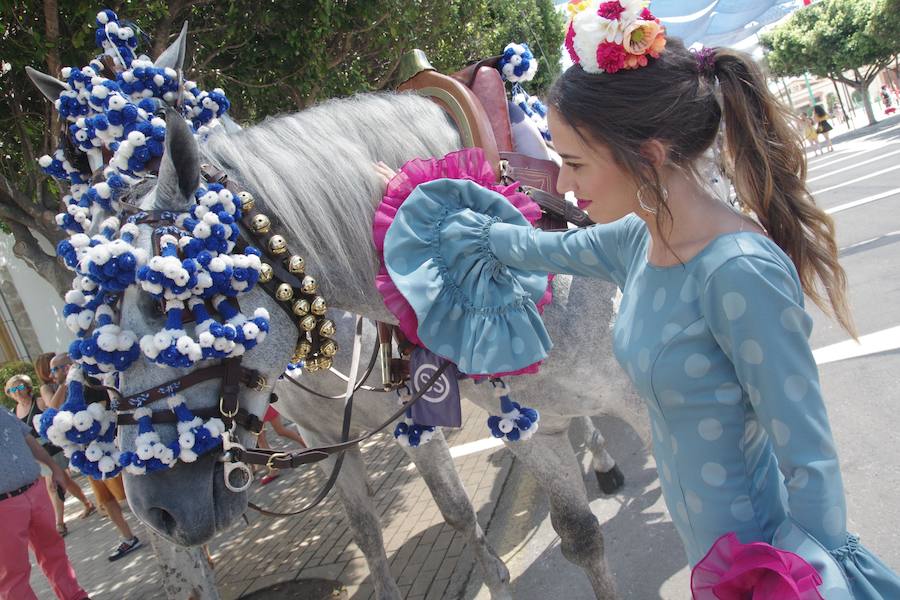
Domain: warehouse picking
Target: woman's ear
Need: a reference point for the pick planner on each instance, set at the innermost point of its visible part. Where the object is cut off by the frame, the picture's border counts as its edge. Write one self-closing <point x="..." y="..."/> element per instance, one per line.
<point x="655" y="152"/>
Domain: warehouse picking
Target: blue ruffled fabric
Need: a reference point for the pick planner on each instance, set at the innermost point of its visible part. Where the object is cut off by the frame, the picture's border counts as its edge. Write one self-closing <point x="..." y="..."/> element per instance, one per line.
<point x="849" y="572"/>
<point x="472" y="309"/>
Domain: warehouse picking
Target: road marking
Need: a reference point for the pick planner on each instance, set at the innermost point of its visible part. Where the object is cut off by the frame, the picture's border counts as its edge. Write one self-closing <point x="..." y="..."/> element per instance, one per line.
<point x="857" y="180"/>
<point x="873" y="343"/>
<point x="869" y="241"/>
<point x="853" y="166"/>
<point x="476" y="446"/>
<point x="861" y="201"/>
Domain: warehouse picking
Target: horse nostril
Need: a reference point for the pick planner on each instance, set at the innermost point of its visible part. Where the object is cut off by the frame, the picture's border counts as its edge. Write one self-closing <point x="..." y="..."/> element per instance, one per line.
<point x="164" y="520"/>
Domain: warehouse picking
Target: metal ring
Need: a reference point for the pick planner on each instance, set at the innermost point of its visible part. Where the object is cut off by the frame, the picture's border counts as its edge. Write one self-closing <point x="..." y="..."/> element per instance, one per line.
<point x="276" y="456"/>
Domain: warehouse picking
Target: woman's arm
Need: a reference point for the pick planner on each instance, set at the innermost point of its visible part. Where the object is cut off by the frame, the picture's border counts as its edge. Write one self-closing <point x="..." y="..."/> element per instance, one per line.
<point x="754" y="308"/>
<point x="600" y="251"/>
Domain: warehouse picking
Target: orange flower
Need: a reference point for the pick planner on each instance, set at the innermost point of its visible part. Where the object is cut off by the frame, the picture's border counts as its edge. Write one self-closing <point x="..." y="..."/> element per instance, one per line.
<point x="643" y="37"/>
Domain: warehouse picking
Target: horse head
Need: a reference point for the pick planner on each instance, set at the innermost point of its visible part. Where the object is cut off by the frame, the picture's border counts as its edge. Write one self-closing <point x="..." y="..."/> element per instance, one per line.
<point x="190" y="502"/>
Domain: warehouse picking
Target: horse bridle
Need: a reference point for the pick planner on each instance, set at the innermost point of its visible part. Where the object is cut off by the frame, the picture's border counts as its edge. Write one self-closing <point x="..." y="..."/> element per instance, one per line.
<point x="316" y="347"/>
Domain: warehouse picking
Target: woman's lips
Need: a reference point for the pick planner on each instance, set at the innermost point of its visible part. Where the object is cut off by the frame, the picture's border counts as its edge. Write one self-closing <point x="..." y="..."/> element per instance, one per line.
<point x="583" y="204"/>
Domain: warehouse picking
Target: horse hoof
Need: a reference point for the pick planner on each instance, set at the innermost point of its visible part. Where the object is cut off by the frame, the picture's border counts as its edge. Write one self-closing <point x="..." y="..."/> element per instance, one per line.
<point x="611" y="481"/>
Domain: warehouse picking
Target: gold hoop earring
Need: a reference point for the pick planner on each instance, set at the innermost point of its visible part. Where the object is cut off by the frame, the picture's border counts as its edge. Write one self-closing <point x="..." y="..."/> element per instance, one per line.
<point x="646" y="207"/>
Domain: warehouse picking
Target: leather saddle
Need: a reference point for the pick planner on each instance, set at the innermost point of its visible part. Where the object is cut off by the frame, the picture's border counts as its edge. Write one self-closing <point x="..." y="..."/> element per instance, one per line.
<point x="475" y="98"/>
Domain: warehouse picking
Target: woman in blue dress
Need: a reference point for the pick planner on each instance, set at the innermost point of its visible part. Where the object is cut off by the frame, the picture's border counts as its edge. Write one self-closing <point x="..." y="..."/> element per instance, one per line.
<point x="712" y="328"/>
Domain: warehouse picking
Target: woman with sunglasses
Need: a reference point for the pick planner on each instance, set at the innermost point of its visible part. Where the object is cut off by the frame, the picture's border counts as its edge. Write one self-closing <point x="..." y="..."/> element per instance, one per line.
<point x="19" y="388"/>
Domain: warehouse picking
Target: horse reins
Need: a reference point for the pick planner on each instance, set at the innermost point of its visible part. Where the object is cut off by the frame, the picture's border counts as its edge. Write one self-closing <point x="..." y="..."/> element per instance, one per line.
<point x="316" y="349"/>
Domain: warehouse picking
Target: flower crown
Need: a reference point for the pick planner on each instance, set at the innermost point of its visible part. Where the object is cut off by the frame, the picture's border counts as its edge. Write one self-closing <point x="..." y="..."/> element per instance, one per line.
<point x="605" y="37"/>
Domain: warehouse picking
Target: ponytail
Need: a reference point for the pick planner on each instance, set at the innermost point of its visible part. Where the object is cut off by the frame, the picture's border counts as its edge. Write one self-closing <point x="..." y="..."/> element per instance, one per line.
<point x="769" y="176"/>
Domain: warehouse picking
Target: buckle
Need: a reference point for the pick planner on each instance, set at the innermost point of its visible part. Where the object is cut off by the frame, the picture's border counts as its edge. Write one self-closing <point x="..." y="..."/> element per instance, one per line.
<point x="257" y="382"/>
<point x="276" y="456"/>
<point x="226" y="414"/>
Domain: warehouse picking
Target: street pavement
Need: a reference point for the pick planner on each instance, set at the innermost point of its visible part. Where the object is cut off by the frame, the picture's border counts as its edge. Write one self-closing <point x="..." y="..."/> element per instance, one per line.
<point x="858" y="183"/>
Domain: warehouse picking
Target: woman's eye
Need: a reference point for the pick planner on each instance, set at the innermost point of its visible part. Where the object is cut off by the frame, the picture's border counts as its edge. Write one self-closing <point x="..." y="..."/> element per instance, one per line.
<point x="574" y="167"/>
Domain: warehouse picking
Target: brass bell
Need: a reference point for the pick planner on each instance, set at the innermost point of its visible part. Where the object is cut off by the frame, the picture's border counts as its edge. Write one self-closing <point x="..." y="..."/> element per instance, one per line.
<point x="265" y="273"/>
<point x="308" y="323"/>
<point x="277" y="245"/>
<point x="318" y="306"/>
<point x="329" y="348"/>
<point x="261" y="224"/>
<point x="309" y="285"/>
<point x="325" y="363"/>
<point x="295" y="264"/>
<point x="247" y="201"/>
<point x="311" y="365"/>
<point x="301" y="307"/>
<point x="326" y="329"/>
<point x="301" y="351"/>
<point x="284" y="292"/>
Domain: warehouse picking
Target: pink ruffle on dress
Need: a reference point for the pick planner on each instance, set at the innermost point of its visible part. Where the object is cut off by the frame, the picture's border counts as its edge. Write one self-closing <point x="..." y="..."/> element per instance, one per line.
<point x="756" y="571"/>
<point x="468" y="164"/>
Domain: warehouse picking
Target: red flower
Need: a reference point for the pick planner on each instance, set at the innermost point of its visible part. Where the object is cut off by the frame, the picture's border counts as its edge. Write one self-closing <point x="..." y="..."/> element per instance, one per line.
<point x="611" y="56"/>
<point x="646" y="15"/>
<point x="611" y="10"/>
<point x="570" y="44"/>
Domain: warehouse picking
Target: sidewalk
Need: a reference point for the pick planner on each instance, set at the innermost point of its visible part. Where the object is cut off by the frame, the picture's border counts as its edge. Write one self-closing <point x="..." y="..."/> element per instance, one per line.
<point x="428" y="558"/>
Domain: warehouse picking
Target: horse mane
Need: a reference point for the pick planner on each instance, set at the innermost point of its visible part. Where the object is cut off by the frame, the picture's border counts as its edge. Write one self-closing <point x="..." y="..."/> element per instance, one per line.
<point x="314" y="171"/>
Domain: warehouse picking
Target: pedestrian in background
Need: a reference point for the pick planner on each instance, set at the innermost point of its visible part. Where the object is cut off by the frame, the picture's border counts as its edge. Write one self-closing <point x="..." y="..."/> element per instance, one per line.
<point x="108" y="493"/>
<point x="27" y="517"/>
<point x="823" y="127"/>
<point x="19" y="388"/>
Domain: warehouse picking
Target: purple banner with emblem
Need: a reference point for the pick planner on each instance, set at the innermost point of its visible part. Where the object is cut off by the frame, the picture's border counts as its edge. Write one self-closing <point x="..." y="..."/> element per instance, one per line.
<point x="440" y="404"/>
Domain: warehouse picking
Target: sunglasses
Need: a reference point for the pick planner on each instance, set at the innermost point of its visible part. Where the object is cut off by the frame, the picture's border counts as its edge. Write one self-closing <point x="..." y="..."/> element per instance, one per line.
<point x="16" y="388"/>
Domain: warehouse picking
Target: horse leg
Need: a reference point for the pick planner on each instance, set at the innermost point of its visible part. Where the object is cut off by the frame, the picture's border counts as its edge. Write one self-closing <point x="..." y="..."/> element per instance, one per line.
<point x="551" y="459"/>
<point x="435" y="464"/>
<point x="363" y="520"/>
<point x="186" y="572"/>
<point x="609" y="476"/>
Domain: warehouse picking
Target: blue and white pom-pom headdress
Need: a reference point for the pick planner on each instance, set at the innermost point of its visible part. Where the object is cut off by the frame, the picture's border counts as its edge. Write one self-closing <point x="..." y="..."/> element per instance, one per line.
<point x="196" y="266"/>
<point x="519" y="65"/>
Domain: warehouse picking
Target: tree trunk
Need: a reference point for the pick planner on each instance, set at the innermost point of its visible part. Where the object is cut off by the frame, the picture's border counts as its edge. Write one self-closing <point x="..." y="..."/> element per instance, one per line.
<point x="862" y="86"/>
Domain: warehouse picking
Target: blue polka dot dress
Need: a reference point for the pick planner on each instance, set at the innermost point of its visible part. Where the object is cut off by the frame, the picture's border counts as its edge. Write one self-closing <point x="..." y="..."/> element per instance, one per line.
<point x="718" y="348"/>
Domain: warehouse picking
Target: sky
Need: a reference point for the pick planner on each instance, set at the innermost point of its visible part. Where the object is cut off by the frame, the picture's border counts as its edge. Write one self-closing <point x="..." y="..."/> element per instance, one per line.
<point x="732" y="23"/>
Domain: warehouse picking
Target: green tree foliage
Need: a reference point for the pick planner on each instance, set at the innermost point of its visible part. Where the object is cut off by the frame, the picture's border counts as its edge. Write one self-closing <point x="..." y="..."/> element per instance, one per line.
<point x="270" y="56"/>
<point x="837" y="38"/>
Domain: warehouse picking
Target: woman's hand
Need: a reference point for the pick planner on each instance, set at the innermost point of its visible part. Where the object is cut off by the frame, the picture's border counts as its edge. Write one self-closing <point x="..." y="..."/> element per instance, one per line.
<point x="384" y="172"/>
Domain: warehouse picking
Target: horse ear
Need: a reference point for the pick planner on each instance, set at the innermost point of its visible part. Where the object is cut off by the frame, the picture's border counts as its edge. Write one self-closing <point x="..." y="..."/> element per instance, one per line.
<point x="179" y="169"/>
<point x="173" y="56"/>
<point x="51" y="87"/>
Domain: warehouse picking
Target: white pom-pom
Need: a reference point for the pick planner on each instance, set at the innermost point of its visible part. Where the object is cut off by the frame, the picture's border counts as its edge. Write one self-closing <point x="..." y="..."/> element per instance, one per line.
<point x="144" y="451"/>
<point x="506" y="425"/>
<point x="186" y="440"/>
<point x="117" y="102"/>
<point x="63" y="421"/>
<point x="137" y="138"/>
<point x="106" y="464"/>
<point x="201" y="230"/>
<point x="82" y="420"/>
<point x="93" y="452"/>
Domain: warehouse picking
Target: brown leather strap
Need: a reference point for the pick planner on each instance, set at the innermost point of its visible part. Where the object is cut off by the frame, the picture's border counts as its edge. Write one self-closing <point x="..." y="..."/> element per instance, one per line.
<point x="290" y="460"/>
<point x="245" y="419"/>
<point x="248" y="377"/>
<point x="559" y="207"/>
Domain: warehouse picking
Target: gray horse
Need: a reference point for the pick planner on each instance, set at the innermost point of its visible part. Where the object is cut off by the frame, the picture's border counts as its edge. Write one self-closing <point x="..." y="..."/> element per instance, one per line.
<point x="313" y="170"/>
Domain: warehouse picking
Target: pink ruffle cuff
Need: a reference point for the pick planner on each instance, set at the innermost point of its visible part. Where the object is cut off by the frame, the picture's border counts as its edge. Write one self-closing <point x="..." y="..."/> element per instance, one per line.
<point x="756" y="571"/>
<point x="468" y="163"/>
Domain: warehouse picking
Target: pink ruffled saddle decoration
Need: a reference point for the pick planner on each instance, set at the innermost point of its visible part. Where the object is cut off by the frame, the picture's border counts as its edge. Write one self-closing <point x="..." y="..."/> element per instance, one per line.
<point x="468" y="163"/>
<point x="756" y="571"/>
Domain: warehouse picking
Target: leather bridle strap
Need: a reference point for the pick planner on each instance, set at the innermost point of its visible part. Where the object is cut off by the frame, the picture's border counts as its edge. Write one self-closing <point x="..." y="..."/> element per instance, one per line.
<point x="345" y="430"/>
<point x="359" y="384"/>
<point x="290" y="460"/>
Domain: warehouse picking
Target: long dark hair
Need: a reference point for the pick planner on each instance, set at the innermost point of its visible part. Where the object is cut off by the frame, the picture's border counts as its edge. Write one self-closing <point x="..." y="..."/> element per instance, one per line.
<point x="671" y="101"/>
